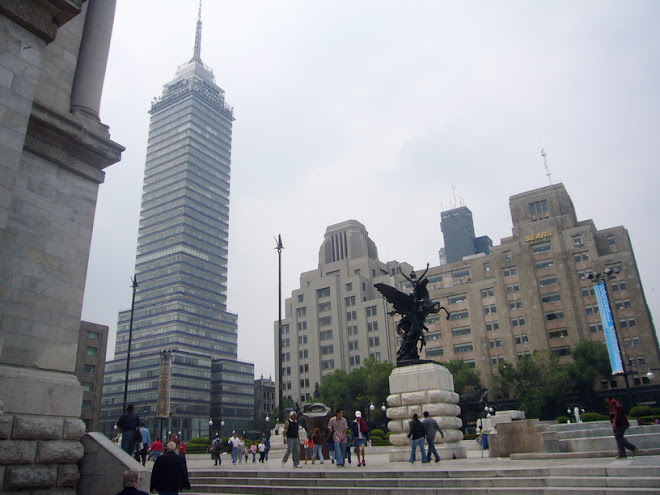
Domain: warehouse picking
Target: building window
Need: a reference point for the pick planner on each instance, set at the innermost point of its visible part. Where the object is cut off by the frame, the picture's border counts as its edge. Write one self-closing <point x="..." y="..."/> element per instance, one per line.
<point x="521" y="339"/>
<point x="325" y="306"/>
<point x="511" y="288"/>
<point x="302" y="339"/>
<point x="552" y="297"/>
<point x="372" y="311"/>
<point x="486" y="267"/>
<point x="285" y="329"/>
<point x="591" y="309"/>
<point x="459" y="315"/>
<point x="93" y="335"/>
<point x="88" y="386"/>
<point x="539" y="210"/>
<point x="554" y="315"/>
<point x="517" y="304"/>
<point x="301" y="298"/>
<point x="434" y="336"/>
<point x="493" y="343"/>
<point x="89" y="368"/>
<point x="436" y="351"/>
<point x="561" y="351"/>
<point x="354" y="360"/>
<point x="595" y="327"/>
<point x="325" y="321"/>
<point x="92" y="351"/>
<point x="372" y="326"/>
<point x="518" y="322"/>
<point x="328" y="364"/>
<point x="352" y="330"/>
<point x="457" y="299"/>
<point x="300" y="312"/>
<point x="507" y="255"/>
<point x="351" y="315"/>
<point x="577" y="240"/>
<point x="325" y="335"/>
<point x="467" y="347"/>
<point x="541" y="247"/>
<point x="304" y="354"/>
<point x="349" y="301"/>
<point x="302" y="325"/>
<point x="558" y="334"/>
<point x="374" y="341"/>
<point x="492" y="325"/>
<point x="87" y="405"/>
<point x="623" y="304"/>
<point x="588" y="291"/>
<point x="542" y="265"/>
<point x="510" y="271"/>
<point x="581" y="257"/>
<point x="353" y="345"/>
<point x="547" y="281"/>
<point x="463" y="272"/>
<point x="490" y="292"/>
<point x="492" y="308"/>
<point x="327" y="349"/>
<point x="611" y="240"/>
<point x="349" y="287"/>
<point x="325" y="292"/>
<point x="456" y="332"/>
<point x="621" y="285"/>
<point x="303" y="368"/>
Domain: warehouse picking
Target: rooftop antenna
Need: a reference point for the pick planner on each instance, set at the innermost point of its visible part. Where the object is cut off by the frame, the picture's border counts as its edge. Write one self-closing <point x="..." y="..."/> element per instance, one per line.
<point x="453" y="188"/>
<point x="547" y="168"/>
<point x="197" y="53"/>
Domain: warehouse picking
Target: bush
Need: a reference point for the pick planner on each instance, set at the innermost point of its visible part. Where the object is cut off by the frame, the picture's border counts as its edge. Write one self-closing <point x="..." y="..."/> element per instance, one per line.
<point x="638" y="411"/>
<point x="469" y="436"/>
<point x="199" y="440"/>
<point x="655" y="411"/>
<point x="377" y="433"/>
<point x="592" y="416"/>
<point x="561" y="419"/>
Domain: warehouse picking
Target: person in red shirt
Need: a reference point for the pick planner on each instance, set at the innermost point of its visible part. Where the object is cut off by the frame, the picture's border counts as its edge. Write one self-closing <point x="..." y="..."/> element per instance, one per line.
<point x="619" y="425"/>
<point x="156" y="448"/>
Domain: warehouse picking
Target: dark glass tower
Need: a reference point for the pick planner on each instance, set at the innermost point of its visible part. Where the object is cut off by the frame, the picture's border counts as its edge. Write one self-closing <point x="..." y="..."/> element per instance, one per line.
<point x="181" y="262"/>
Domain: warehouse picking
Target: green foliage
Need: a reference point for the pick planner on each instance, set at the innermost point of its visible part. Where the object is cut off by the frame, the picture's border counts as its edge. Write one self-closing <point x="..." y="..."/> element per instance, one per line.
<point x="380" y="442"/>
<point x="562" y="419"/>
<point x="538" y="381"/>
<point x="358" y="389"/>
<point x="655" y="411"/>
<point x="638" y="411"/>
<point x="377" y="433"/>
<point x="198" y="440"/>
<point x="590" y="360"/>
<point x="467" y="382"/>
<point x="588" y="417"/>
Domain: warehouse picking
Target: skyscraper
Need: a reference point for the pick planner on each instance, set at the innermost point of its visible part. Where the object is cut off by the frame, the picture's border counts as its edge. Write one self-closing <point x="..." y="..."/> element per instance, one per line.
<point x="458" y="233"/>
<point x="181" y="262"/>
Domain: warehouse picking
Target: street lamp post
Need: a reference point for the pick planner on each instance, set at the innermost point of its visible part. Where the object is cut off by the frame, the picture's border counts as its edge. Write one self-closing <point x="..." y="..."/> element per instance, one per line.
<point x="210" y="426"/>
<point x="279" y="248"/>
<point x="134" y="285"/>
<point x="222" y="423"/>
<point x="607" y="317"/>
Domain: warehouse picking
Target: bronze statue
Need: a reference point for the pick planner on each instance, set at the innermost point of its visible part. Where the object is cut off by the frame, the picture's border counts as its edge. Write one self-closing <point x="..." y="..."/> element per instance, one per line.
<point x="414" y="309"/>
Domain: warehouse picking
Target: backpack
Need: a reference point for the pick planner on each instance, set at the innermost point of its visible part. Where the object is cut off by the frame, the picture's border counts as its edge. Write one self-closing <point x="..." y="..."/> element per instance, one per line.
<point x="214" y="446"/>
<point x="138" y="435"/>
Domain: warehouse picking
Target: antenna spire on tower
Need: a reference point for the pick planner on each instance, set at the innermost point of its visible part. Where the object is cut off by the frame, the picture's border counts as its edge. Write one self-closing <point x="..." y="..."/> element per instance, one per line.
<point x="197" y="53"/>
<point x="545" y="164"/>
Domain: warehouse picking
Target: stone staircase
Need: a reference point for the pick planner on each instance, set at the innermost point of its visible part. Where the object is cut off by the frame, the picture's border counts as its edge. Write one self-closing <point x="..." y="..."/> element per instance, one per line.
<point x="622" y="479"/>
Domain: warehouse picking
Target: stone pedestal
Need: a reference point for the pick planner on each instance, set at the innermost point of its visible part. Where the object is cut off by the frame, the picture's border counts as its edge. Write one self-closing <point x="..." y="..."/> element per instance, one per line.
<point x="418" y="388"/>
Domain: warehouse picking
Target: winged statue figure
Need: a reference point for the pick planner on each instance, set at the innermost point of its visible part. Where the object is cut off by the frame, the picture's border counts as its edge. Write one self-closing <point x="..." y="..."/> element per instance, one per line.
<point x="414" y="308"/>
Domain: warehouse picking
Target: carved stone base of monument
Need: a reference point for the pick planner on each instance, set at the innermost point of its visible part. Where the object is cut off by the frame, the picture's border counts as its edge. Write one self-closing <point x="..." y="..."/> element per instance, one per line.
<point x="418" y="388"/>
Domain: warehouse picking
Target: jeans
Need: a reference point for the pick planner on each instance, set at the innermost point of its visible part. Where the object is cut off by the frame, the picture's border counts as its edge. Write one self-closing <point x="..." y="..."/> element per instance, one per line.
<point x="293" y="448"/>
<point x="128" y="441"/>
<point x="340" y="449"/>
<point x="318" y="451"/>
<point x="432" y="450"/>
<point x="621" y="443"/>
<point x="234" y="454"/>
<point x="415" y="443"/>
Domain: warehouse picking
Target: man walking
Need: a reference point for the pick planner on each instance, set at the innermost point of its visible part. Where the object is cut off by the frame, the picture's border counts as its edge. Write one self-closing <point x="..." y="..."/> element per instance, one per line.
<point x="430" y="427"/>
<point x="417" y="433"/>
<point x="292" y="440"/>
<point x="234" y="443"/>
<point x="146" y="442"/>
<point x="126" y="425"/>
<point x="169" y="475"/>
<point x="619" y="425"/>
<point x="338" y="427"/>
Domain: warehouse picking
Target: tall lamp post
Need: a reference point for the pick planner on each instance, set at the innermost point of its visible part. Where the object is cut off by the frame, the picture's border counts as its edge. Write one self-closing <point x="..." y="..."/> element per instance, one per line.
<point x="210" y="426"/>
<point x="134" y="284"/>
<point x="600" y="279"/>
<point x="279" y="247"/>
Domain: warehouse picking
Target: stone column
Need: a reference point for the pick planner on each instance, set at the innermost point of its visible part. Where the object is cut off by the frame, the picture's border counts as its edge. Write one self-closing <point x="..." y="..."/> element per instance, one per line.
<point x="93" y="58"/>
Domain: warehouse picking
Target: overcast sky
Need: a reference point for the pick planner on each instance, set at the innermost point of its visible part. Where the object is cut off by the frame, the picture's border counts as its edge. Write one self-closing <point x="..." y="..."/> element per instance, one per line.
<point x="373" y="110"/>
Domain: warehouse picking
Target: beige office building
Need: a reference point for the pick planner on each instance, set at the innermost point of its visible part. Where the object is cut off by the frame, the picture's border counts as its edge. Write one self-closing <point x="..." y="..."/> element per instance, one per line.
<point x="336" y="319"/>
<point x="531" y="292"/>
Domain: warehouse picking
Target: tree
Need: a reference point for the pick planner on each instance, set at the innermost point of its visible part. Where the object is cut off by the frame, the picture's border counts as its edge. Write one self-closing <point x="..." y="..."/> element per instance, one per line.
<point x="539" y="381"/>
<point x="467" y="382"/>
<point x="590" y="360"/>
<point x="288" y="404"/>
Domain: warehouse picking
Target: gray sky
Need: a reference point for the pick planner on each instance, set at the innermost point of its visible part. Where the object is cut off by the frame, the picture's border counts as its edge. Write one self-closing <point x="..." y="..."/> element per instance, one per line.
<point x="373" y="110"/>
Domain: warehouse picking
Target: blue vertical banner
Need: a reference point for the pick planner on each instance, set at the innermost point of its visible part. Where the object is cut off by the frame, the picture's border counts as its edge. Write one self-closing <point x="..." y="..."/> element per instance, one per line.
<point x="608" y="326"/>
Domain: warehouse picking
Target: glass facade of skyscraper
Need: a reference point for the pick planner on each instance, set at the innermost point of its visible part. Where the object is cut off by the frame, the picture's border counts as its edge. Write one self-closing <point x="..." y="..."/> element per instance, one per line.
<point x="181" y="262"/>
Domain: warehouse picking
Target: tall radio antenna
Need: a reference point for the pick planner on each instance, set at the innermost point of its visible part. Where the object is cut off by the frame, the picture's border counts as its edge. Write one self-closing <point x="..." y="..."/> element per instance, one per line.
<point x="547" y="168"/>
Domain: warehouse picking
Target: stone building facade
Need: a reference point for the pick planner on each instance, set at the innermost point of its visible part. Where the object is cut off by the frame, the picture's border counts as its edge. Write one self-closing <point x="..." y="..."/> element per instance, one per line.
<point x="54" y="149"/>
<point x="531" y="293"/>
<point x="336" y="318"/>
<point x="90" y="364"/>
<point x="264" y="402"/>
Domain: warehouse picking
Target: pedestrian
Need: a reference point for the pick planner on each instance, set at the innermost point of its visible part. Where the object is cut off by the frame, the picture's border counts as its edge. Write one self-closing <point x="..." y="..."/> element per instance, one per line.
<point x="175" y="438"/>
<point x="430" y="427"/>
<point x="146" y="442"/>
<point x="156" y="449"/>
<point x="308" y="447"/>
<point x="339" y="427"/>
<point x="253" y="451"/>
<point x="416" y="432"/>
<point x="131" y="482"/>
<point x="234" y="444"/>
<point x="349" y="442"/>
<point x="182" y="453"/>
<point x="619" y="426"/>
<point x="169" y="475"/>
<point x="242" y="450"/>
<point x="267" y="444"/>
<point x="292" y="440"/>
<point x="127" y="425"/>
<point x="360" y="430"/>
<point x="262" y="450"/>
<point x="216" y="448"/>
<point x="317" y="443"/>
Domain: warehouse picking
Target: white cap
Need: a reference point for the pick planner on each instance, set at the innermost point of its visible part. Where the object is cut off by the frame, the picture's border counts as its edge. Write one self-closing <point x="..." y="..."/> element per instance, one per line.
<point x="358" y="414"/>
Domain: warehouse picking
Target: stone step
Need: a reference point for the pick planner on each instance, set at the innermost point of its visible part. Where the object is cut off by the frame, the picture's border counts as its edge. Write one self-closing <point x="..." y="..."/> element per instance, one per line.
<point x="295" y="490"/>
<point x="577" y="455"/>
<point x="606" y="431"/>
